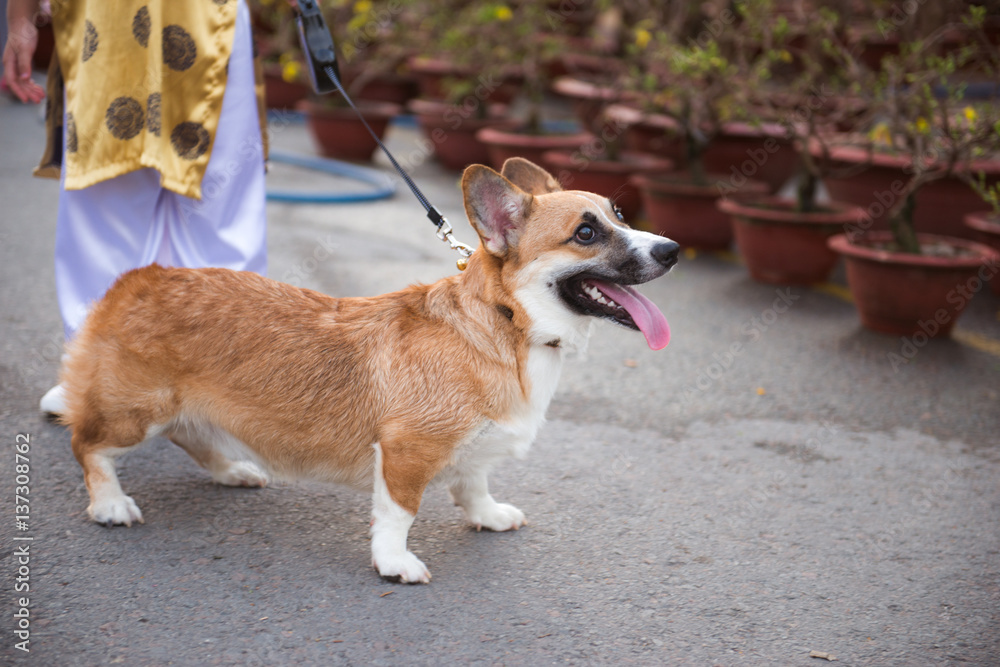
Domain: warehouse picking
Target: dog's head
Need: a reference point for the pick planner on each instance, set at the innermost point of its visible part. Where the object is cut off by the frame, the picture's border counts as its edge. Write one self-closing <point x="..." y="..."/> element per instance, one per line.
<point x="564" y="255"/>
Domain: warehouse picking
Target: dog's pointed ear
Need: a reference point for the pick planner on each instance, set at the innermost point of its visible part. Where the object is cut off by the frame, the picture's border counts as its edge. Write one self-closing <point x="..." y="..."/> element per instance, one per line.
<point x="496" y="208"/>
<point x="529" y="176"/>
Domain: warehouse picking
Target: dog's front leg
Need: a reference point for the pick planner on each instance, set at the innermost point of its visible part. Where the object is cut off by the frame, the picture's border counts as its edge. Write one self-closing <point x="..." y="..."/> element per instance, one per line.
<point x="391" y="520"/>
<point x="470" y="491"/>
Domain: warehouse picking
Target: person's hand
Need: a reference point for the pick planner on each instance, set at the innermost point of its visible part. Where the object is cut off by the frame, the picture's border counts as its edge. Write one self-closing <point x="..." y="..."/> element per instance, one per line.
<point x="22" y="40"/>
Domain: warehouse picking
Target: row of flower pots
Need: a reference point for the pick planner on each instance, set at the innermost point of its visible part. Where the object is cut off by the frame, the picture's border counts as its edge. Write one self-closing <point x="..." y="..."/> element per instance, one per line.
<point x="895" y="293"/>
<point x="779" y="244"/>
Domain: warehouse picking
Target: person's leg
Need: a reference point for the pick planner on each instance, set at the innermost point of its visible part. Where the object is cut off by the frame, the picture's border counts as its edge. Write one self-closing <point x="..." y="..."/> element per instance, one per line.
<point x="227" y="227"/>
<point x="101" y="232"/>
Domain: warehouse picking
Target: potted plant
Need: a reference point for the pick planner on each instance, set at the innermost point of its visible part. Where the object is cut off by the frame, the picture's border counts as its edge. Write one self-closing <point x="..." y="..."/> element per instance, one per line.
<point x="285" y="81"/>
<point x="784" y="240"/>
<point x="368" y="52"/>
<point x="451" y="40"/>
<point x="515" y="38"/>
<point x="457" y="100"/>
<point x="604" y="164"/>
<point x="927" y="31"/>
<point x="986" y="225"/>
<point x="691" y="80"/>
<point x="909" y="283"/>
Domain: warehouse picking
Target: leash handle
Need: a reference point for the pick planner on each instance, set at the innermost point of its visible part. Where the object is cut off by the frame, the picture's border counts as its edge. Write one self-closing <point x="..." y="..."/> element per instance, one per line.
<point x="317" y="43"/>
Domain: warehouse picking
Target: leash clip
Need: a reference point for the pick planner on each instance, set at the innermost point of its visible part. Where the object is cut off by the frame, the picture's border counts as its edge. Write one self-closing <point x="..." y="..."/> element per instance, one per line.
<point x="445" y="233"/>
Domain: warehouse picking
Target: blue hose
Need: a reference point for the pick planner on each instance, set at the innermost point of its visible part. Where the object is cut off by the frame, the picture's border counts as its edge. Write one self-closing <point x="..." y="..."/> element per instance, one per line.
<point x="384" y="186"/>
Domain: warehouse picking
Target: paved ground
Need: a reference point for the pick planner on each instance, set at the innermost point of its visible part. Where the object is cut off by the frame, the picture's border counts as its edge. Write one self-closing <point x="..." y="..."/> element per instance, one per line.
<point x="689" y="506"/>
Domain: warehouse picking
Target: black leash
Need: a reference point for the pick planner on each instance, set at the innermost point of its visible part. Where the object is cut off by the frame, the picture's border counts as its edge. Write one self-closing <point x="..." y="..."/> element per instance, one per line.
<point x="321" y="61"/>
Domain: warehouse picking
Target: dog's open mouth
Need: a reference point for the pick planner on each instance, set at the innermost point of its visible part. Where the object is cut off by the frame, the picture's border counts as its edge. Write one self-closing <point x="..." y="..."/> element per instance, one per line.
<point x="622" y="304"/>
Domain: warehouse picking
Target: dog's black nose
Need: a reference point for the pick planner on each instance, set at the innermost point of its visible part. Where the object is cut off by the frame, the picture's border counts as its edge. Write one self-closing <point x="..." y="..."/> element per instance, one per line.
<point x="666" y="253"/>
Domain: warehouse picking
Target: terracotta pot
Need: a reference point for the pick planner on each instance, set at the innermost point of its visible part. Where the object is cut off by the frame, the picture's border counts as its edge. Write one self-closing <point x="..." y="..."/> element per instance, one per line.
<point x="452" y="129"/>
<point x="783" y="246"/>
<point x="339" y="132"/>
<point x="605" y="177"/>
<point x="281" y="94"/>
<point x="764" y="153"/>
<point x="912" y="295"/>
<point x="393" y="88"/>
<point x="432" y="75"/>
<point x="585" y="58"/>
<point x="655" y="134"/>
<point x="503" y="144"/>
<point x="687" y="213"/>
<point x="941" y="205"/>
<point x="986" y="227"/>
<point x="588" y="99"/>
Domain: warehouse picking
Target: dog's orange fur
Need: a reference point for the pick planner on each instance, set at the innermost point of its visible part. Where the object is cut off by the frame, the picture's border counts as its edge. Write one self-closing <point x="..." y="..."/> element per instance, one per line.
<point x="307" y="381"/>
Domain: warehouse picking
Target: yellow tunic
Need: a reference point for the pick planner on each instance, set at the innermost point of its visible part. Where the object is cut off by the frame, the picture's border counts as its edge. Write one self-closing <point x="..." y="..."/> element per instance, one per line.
<point x="143" y="81"/>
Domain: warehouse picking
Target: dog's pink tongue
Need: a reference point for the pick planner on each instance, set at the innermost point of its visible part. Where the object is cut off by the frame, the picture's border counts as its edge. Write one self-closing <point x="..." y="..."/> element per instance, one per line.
<point x="644" y="312"/>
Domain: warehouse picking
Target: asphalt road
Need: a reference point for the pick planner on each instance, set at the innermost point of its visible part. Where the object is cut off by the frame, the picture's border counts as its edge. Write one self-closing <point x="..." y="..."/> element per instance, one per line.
<point x="766" y="486"/>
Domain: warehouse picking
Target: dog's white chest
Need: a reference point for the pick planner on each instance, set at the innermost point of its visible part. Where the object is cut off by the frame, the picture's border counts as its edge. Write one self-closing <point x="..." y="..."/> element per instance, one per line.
<point x="513" y="435"/>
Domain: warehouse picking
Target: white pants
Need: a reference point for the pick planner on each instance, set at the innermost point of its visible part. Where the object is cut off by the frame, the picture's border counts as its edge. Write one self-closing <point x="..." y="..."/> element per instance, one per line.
<point x="130" y="221"/>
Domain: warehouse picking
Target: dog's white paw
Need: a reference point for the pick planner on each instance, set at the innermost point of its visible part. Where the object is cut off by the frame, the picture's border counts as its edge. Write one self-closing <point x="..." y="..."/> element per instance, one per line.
<point x="496" y="516"/>
<point x="242" y="473"/>
<point x="405" y="568"/>
<point x="118" y="510"/>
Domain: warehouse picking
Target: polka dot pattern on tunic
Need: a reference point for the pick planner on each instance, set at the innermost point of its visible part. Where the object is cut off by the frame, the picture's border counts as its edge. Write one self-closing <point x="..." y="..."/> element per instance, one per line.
<point x="124" y="118"/>
<point x="71" y="142"/>
<point x="141" y="26"/>
<point x="153" y="114"/>
<point x="179" y="49"/>
<point x="190" y="140"/>
<point x="90" y="41"/>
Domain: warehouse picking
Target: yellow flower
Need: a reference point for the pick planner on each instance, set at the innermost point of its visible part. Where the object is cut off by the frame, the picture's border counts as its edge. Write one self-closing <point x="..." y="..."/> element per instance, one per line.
<point x="880" y="135"/>
<point x="642" y="37"/>
<point x="785" y="56"/>
<point x="291" y="70"/>
<point x="503" y="13"/>
<point x="923" y="127"/>
<point x="362" y="6"/>
<point x="970" y="114"/>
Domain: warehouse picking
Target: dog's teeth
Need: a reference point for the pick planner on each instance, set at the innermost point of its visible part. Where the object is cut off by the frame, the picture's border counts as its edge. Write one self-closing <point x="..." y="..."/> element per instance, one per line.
<point x="599" y="296"/>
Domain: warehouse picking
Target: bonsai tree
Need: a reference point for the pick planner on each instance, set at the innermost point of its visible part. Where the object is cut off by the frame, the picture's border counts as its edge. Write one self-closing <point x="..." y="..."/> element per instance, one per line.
<point x="932" y="116"/>
<point x="489" y="44"/>
<point x="819" y="93"/>
<point x="691" y="77"/>
<point x="368" y="34"/>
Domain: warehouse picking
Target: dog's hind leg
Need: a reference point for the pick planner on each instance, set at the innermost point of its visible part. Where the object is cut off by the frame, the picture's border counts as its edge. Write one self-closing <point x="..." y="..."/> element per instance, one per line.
<point x="469" y="490"/>
<point x="205" y="444"/>
<point x="396" y="498"/>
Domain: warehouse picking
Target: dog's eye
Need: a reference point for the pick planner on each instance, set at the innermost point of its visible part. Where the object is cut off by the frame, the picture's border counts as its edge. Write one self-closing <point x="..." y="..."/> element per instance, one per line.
<point x="618" y="211"/>
<point x="586" y="234"/>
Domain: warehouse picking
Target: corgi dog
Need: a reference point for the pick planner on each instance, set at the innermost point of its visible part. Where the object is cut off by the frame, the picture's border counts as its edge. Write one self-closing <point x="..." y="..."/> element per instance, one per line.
<point x="257" y="379"/>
